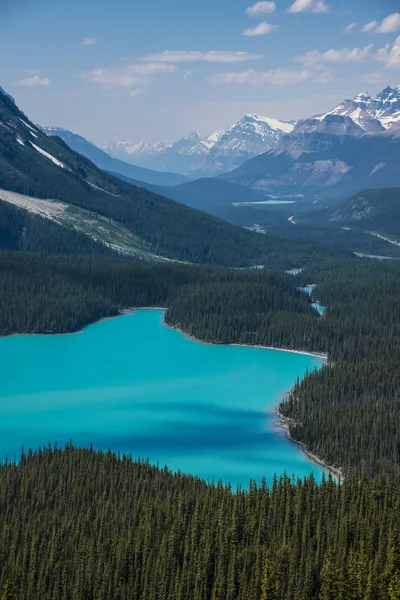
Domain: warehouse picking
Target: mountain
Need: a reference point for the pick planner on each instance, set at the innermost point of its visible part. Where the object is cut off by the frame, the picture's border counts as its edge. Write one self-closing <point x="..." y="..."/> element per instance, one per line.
<point x="372" y="114"/>
<point x="224" y="151"/>
<point x="6" y="94"/>
<point x="106" y="162"/>
<point x="368" y="161"/>
<point x="40" y="176"/>
<point x="197" y="157"/>
<point x="376" y="210"/>
<point x="143" y="149"/>
<point x="321" y="133"/>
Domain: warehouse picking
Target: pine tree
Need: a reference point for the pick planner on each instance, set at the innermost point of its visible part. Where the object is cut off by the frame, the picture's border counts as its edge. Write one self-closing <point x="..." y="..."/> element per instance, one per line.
<point x="270" y="581"/>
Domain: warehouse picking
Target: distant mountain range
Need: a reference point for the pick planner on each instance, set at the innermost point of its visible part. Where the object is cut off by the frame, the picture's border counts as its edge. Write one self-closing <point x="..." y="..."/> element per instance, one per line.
<point x="367" y="161"/>
<point x="104" y="161"/>
<point x="329" y="156"/>
<point x="195" y="156"/>
<point x="253" y="135"/>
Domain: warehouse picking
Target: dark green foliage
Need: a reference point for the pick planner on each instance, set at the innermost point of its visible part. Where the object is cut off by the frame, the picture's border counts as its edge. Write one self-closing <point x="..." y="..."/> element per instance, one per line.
<point x="59" y="294"/>
<point x="77" y="524"/>
<point x="349" y="412"/>
<point x="258" y="310"/>
<point x="376" y="210"/>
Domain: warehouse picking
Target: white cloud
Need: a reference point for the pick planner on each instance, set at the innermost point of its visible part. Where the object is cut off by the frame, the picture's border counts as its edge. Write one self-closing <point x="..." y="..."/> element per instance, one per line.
<point x="390" y="55"/>
<point x="134" y="93"/>
<point x="316" y="6"/>
<point x="261" y="29"/>
<point x="89" y="41"/>
<point x="253" y="77"/>
<point x="150" y="68"/>
<point x="332" y="56"/>
<point x="390" y="25"/>
<point x="212" y="56"/>
<point x="349" y="28"/>
<point x="260" y="9"/>
<point x="34" y="80"/>
<point x="370" y="27"/>
<point x="128" y="75"/>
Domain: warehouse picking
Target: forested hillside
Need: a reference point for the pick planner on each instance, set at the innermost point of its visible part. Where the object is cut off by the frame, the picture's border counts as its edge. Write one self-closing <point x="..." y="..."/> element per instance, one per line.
<point x="77" y="524"/>
<point x="349" y="412"/>
<point x="59" y="294"/>
<point x="165" y="227"/>
<point x="374" y="210"/>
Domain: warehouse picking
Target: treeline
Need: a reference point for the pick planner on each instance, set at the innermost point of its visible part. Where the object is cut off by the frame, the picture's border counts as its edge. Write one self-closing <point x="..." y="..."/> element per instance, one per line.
<point x="86" y="525"/>
<point x="349" y="412"/>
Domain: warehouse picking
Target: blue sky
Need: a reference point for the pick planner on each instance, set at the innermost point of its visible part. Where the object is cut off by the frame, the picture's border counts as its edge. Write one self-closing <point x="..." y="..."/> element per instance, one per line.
<point x="158" y="69"/>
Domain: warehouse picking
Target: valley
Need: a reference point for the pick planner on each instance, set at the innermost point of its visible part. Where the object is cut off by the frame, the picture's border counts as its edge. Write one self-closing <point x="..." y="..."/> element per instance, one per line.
<point x="152" y="464"/>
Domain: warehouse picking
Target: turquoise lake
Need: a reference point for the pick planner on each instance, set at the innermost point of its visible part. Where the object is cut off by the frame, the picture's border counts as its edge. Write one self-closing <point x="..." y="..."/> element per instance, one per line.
<point x="134" y="385"/>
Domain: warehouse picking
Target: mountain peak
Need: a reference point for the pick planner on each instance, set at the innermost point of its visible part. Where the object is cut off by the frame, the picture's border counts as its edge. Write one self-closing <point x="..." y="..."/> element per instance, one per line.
<point x="362" y="98"/>
<point x="7" y="95"/>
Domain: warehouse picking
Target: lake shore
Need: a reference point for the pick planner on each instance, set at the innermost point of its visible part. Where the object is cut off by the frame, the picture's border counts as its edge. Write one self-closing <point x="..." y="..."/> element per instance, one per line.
<point x="283" y="421"/>
<point x="320" y="355"/>
<point x="335" y="471"/>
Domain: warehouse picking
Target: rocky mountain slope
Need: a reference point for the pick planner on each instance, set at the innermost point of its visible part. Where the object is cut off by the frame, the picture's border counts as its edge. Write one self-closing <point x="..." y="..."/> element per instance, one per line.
<point x="368" y="161"/>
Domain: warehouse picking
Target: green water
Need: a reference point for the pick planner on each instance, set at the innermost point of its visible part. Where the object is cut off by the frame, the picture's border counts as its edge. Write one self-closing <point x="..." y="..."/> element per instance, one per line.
<point x="134" y="385"/>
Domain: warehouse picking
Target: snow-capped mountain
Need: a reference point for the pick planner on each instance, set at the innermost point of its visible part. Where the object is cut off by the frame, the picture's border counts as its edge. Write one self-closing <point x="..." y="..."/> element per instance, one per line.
<point x="121" y="149"/>
<point x="371" y="114"/>
<point x="196" y="156"/>
<point x="387" y="107"/>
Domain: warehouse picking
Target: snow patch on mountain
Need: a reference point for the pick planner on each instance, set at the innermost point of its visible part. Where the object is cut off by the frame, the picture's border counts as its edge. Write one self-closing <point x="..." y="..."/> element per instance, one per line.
<point x="49" y="156"/>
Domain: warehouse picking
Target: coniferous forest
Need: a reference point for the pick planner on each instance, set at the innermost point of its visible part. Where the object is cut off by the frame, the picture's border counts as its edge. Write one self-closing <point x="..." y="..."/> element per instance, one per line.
<point x="80" y="524"/>
<point x="77" y="524"/>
